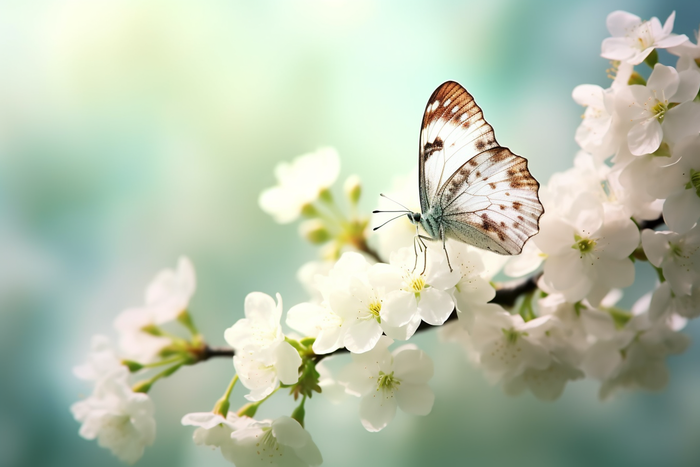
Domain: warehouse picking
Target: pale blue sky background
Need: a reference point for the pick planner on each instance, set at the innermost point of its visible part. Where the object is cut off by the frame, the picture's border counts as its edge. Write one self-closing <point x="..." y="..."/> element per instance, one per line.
<point x="133" y="131"/>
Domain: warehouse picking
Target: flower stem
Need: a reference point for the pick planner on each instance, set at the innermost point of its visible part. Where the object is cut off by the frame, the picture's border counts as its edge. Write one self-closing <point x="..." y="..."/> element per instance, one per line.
<point x="145" y="386"/>
<point x="222" y="405"/>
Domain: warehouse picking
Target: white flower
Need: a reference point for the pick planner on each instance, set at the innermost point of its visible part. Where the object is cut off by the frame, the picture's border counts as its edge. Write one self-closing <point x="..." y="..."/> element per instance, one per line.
<point x="529" y="259"/>
<point x="134" y="342"/>
<point x="356" y="295"/>
<point x="431" y="288"/>
<point x="473" y="292"/>
<point x="282" y="442"/>
<point x="215" y="431"/>
<point x="121" y="420"/>
<point x="299" y="183"/>
<point x="587" y="176"/>
<point x="644" y="363"/>
<point x="688" y="52"/>
<point x="361" y="302"/>
<point x="676" y="255"/>
<point x="319" y="322"/>
<point x="263" y="358"/>
<point x="679" y="183"/>
<point x="170" y="291"/>
<point x="307" y="273"/>
<point x="589" y="254"/>
<point x="386" y="380"/>
<point x="547" y="384"/>
<point x="102" y="361"/>
<point x="600" y="132"/>
<point x="628" y="188"/>
<point x="633" y="39"/>
<point x="663" y="109"/>
<point x="507" y="345"/>
<point x="262" y="375"/>
<point x="259" y="332"/>
<point x="331" y="388"/>
<point x="665" y="303"/>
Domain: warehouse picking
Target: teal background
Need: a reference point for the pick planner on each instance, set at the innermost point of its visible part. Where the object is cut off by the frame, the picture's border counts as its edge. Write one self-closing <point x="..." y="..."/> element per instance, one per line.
<point x="135" y="131"/>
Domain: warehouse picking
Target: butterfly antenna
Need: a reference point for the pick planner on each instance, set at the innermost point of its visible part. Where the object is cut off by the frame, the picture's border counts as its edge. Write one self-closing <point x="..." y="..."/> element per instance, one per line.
<point x="394" y="201"/>
<point x="393" y="218"/>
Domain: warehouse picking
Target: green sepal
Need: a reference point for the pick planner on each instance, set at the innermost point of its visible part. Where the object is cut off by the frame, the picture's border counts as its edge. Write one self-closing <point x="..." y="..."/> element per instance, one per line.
<point x="142" y="386"/>
<point x="248" y="410"/>
<point x="652" y="59"/>
<point x="132" y="365"/>
<point x="300" y="412"/>
<point x="636" y="78"/>
<point x="221" y="407"/>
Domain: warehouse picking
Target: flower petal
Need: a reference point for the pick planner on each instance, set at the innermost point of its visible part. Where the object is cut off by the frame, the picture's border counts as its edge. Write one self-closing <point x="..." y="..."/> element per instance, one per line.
<point x="416" y="399"/>
<point x="377" y="409"/>
<point x="435" y="306"/>
<point x="645" y="136"/>
<point x="412" y="366"/>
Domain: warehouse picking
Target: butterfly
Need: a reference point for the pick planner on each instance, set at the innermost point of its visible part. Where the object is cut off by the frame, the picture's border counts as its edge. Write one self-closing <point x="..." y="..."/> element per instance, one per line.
<point x="471" y="189"/>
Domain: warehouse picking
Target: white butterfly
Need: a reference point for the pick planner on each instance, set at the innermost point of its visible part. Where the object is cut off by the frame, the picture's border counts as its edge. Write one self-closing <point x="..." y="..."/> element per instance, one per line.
<point x="471" y="189"/>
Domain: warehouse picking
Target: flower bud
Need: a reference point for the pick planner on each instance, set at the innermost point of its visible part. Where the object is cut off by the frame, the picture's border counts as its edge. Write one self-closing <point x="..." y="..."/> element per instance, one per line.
<point x="353" y="188"/>
<point x="314" y="231"/>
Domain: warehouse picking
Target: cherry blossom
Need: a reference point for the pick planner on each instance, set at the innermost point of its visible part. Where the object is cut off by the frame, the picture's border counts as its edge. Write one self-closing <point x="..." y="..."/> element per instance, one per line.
<point x="431" y="287"/>
<point x="387" y="380"/>
<point x="263" y="358"/>
<point x="677" y="255"/>
<point x="588" y="253"/>
<point x="280" y="442"/>
<point x="102" y="361"/>
<point x="678" y="182"/>
<point x="121" y="420"/>
<point x="215" y="431"/>
<point x="299" y="183"/>
<point x="507" y="345"/>
<point x="663" y="109"/>
<point x="633" y="39"/>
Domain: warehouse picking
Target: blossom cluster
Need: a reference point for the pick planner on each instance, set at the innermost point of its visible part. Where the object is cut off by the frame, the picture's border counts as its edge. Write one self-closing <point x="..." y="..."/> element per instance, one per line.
<point x="638" y="169"/>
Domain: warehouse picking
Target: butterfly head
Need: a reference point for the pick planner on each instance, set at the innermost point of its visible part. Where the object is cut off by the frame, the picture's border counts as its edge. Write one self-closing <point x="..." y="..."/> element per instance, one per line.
<point x="414" y="217"/>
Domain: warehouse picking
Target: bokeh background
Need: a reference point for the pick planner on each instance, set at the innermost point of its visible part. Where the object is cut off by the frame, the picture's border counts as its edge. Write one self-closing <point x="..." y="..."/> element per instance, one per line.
<point x="133" y="131"/>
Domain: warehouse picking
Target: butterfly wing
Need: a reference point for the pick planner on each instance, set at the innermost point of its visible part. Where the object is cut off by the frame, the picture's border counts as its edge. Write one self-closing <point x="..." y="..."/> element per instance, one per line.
<point x="452" y="132"/>
<point x="485" y="194"/>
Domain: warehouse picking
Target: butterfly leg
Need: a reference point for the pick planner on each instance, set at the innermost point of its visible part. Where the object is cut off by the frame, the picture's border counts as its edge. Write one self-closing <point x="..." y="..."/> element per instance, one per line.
<point x="424" y="249"/>
<point x="444" y="246"/>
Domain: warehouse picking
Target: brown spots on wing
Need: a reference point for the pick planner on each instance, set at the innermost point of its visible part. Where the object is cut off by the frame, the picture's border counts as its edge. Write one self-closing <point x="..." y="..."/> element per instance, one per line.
<point x="487" y="223"/>
<point x="473" y="162"/>
<point x="517" y="205"/>
<point x="478" y="174"/>
<point x="480" y="144"/>
<point x="520" y="178"/>
<point x="458" y="179"/>
<point x="430" y="148"/>
<point x="515" y="225"/>
<point x="490" y="226"/>
<point x="492" y="185"/>
<point x="502" y="207"/>
<point x="521" y="218"/>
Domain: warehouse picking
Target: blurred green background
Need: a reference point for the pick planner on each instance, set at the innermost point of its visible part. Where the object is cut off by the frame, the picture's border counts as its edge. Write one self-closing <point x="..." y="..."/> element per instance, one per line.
<point x="133" y="131"/>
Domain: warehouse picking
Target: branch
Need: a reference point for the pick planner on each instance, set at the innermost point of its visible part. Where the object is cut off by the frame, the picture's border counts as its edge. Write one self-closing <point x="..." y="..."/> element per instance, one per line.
<point x="652" y="224"/>
<point x="210" y="352"/>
